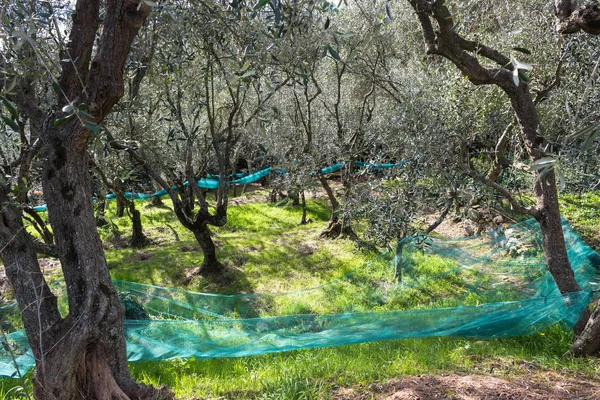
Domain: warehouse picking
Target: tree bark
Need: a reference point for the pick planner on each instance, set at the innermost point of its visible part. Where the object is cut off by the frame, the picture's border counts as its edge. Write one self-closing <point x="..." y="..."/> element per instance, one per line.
<point x="90" y="346"/>
<point x="37" y="303"/>
<point x="210" y="264"/>
<point x="572" y="18"/>
<point x="303" y="221"/>
<point x="138" y="239"/>
<point x="82" y="355"/>
<point x="333" y="229"/>
<point x="100" y="213"/>
<point x="120" y="199"/>
<point x="588" y="342"/>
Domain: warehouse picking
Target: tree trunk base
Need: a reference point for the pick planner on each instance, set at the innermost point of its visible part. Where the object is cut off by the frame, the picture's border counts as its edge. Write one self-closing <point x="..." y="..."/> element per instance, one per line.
<point x="93" y="379"/>
<point x="138" y="239"/>
<point x="210" y="268"/>
<point x="587" y="340"/>
<point x="336" y="230"/>
<point x="156" y="202"/>
<point x="138" y="242"/>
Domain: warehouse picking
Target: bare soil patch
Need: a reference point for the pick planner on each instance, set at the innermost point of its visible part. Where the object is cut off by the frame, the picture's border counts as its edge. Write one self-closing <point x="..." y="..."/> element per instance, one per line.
<point x="141" y="256"/>
<point x="533" y="386"/>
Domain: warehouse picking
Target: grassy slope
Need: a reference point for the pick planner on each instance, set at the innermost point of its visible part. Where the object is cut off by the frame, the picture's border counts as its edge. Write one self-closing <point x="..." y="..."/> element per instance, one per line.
<point x="264" y="250"/>
<point x="280" y="264"/>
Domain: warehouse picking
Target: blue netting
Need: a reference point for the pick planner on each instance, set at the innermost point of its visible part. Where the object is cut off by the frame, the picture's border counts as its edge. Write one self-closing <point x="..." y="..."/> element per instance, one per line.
<point x="242" y="179"/>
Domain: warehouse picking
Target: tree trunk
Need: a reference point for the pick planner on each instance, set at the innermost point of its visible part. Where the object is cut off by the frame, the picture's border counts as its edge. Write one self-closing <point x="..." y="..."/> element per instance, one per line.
<point x="295" y="196"/>
<point x="156" y="202"/>
<point x="442" y="39"/>
<point x="303" y="221"/>
<point x="38" y="305"/>
<point x="333" y="229"/>
<point x="101" y="213"/>
<point x="121" y="200"/>
<point x="398" y="259"/>
<point x="210" y="264"/>
<point x="588" y="342"/>
<point x="85" y="354"/>
<point x="546" y="193"/>
<point x="336" y="228"/>
<point x="138" y="239"/>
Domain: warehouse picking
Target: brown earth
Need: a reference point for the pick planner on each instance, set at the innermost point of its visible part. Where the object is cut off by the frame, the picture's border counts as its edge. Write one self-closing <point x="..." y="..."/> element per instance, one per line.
<point x="534" y="385"/>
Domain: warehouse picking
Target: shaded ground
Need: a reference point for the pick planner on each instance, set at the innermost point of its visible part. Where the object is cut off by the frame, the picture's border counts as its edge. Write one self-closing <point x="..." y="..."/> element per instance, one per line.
<point x="532" y="385"/>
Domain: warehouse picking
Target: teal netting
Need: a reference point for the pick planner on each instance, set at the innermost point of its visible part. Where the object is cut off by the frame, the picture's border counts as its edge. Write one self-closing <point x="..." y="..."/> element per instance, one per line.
<point x="242" y="179"/>
<point x="476" y="287"/>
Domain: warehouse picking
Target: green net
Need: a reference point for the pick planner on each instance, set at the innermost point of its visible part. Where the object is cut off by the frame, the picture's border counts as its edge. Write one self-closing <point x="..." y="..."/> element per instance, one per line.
<point x="488" y="286"/>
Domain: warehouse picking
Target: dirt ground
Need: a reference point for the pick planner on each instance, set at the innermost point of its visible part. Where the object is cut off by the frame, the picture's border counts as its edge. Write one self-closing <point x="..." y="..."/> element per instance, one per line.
<point x="533" y="386"/>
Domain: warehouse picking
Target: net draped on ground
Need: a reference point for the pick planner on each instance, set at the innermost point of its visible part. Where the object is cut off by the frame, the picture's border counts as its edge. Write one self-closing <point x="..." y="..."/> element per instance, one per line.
<point x="486" y="287"/>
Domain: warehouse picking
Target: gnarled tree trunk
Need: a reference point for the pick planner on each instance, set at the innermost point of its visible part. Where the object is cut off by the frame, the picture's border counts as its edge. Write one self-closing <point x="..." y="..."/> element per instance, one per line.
<point x="336" y="228"/>
<point x="82" y="355"/>
<point x="210" y="264"/>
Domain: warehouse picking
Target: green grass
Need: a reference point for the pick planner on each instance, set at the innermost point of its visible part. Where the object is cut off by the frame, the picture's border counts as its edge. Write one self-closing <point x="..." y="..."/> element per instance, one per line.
<point x="264" y="250"/>
<point x="583" y="212"/>
<point x="312" y="373"/>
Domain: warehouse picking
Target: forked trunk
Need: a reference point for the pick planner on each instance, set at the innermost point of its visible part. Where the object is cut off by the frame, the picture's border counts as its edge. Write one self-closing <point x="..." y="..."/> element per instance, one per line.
<point x="335" y="228"/>
<point x="82" y="355"/>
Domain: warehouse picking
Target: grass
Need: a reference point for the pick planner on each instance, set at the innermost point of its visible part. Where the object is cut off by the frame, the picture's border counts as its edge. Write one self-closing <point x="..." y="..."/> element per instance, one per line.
<point x="264" y="250"/>
<point x="583" y="212"/>
<point x="313" y="373"/>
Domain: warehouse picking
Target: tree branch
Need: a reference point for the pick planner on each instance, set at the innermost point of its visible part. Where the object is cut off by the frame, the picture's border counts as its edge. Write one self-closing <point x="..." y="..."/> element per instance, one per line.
<point x="76" y="60"/>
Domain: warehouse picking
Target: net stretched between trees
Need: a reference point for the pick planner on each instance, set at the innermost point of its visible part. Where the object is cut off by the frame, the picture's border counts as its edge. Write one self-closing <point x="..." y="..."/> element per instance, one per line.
<point x="485" y="287"/>
<point x="212" y="181"/>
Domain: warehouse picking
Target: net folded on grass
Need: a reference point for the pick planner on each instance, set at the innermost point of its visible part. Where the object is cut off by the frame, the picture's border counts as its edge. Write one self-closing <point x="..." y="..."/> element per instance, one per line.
<point x="489" y="286"/>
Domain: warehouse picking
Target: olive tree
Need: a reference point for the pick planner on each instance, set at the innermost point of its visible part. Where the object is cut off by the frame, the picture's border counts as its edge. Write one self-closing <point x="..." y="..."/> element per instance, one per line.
<point x="82" y="353"/>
